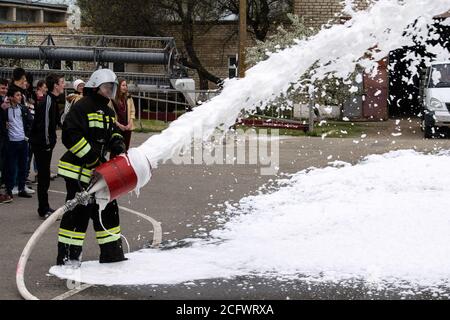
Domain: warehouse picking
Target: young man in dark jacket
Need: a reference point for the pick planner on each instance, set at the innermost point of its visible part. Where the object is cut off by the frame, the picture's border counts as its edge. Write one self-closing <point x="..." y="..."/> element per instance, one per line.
<point x="43" y="139"/>
<point x="18" y="125"/>
<point x="4" y="198"/>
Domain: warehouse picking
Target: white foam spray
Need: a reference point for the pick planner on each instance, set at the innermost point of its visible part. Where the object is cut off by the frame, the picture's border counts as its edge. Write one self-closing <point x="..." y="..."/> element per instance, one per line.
<point x="387" y="25"/>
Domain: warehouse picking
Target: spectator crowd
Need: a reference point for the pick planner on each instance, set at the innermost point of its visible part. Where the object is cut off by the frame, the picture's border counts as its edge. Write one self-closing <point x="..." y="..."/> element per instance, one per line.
<point x="29" y="116"/>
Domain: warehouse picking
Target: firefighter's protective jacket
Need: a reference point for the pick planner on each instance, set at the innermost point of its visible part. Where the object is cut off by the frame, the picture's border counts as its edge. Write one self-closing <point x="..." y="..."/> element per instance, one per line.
<point x="89" y="130"/>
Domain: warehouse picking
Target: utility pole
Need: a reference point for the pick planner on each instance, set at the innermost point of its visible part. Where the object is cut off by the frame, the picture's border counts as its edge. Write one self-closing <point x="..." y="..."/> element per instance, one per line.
<point x="312" y="104"/>
<point x="242" y="36"/>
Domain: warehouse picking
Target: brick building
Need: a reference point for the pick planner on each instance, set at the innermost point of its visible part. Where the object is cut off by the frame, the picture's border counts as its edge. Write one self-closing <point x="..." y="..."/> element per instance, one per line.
<point x="23" y="12"/>
<point x="217" y="45"/>
<point x="319" y="12"/>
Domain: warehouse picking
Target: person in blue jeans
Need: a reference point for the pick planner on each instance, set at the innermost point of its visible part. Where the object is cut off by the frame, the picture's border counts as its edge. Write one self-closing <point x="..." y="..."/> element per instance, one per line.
<point x="18" y="123"/>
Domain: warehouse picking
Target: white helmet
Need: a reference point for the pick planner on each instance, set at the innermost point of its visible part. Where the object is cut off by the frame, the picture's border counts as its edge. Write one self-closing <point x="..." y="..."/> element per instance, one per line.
<point x="76" y="83"/>
<point x="106" y="81"/>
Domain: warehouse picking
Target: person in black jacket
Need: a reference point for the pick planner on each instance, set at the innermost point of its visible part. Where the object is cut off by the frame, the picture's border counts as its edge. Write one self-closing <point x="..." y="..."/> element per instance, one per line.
<point x="3" y="131"/>
<point x="43" y="139"/>
<point x="30" y="102"/>
<point x="4" y="198"/>
<point x="18" y="125"/>
<point x="89" y="133"/>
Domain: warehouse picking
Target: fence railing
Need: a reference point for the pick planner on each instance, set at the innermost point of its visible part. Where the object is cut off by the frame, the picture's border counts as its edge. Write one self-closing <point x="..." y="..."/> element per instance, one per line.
<point x="99" y="41"/>
<point x="157" y="80"/>
<point x="168" y="104"/>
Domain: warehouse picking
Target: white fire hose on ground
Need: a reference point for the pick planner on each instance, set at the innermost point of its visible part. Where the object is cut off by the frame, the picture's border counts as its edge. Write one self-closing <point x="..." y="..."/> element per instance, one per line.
<point x="79" y="199"/>
<point x="113" y="179"/>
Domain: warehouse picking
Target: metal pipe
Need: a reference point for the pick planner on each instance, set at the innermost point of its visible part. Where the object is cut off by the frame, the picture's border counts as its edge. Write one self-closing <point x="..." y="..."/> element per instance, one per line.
<point x="84" y="54"/>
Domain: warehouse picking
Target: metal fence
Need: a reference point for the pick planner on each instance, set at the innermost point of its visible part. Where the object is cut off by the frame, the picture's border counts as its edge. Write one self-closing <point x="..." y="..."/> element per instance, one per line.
<point x="167" y="104"/>
<point x="77" y="50"/>
<point x="152" y="93"/>
<point x="19" y="39"/>
<point x="156" y="80"/>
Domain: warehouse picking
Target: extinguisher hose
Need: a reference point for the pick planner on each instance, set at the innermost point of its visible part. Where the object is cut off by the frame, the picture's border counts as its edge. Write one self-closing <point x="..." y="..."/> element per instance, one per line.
<point x="80" y="198"/>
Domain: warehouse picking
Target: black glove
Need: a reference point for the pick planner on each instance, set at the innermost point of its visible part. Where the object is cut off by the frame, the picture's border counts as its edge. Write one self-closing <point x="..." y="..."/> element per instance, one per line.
<point x="117" y="147"/>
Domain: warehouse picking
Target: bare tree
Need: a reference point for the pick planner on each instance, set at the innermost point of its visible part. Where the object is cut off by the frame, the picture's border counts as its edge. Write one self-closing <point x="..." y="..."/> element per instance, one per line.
<point x="262" y="15"/>
<point x="150" y="18"/>
<point x="188" y="13"/>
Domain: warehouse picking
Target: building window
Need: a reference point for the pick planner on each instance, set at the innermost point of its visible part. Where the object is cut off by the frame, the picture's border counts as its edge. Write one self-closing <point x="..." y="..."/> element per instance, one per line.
<point x="3" y="13"/>
<point x="232" y="66"/>
<point x="54" y="17"/>
<point x="68" y="65"/>
<point x="119" y="67"/>
<point x="55" y="64"/>
<point x="24" y="15"/>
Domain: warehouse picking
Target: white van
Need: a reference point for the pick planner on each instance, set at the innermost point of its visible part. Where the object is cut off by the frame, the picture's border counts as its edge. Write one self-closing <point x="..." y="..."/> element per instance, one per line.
<point x="435" y="97"/>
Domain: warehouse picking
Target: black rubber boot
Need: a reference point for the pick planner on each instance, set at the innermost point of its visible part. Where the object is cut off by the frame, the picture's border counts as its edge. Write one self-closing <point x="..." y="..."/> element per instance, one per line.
<point x="68" y="254"/>
<point x="112" y="252"/>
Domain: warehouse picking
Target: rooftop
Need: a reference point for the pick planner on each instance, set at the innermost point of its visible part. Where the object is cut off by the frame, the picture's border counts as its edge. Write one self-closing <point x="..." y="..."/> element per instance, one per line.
<point x="35" y="4"/>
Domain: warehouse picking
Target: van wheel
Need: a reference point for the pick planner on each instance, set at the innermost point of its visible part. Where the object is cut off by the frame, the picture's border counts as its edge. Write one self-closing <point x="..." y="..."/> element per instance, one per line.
<point x="428" y="131"/>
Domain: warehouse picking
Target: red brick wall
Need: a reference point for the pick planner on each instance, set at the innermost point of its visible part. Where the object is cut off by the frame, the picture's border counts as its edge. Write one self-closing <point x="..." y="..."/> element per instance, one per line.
<point x="213" y="44"/>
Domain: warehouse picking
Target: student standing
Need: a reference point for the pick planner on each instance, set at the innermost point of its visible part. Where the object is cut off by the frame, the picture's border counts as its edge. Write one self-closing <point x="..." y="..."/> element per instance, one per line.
<point x="43" y="139"/>
<point x="18" y="125"/>
<point x="4" y="198"/>
<point x="125" y="110"/>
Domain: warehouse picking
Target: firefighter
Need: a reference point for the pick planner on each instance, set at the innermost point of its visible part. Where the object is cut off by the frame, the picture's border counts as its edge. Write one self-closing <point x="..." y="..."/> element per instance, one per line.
<point x="89" y="132"/>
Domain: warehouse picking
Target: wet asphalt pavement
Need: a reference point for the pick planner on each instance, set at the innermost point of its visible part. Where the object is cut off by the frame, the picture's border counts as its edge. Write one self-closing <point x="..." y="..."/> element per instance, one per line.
<point x="179" y="196"/>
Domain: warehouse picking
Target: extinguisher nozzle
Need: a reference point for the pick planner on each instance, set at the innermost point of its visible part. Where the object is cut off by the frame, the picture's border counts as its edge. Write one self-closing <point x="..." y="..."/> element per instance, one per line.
<point x="116" y="176"/>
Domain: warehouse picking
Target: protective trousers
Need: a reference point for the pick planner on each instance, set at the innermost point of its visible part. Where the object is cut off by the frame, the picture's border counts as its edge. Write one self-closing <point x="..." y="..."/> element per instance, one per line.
<point x="74" y="224"/>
